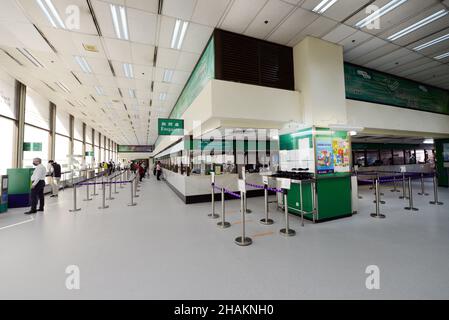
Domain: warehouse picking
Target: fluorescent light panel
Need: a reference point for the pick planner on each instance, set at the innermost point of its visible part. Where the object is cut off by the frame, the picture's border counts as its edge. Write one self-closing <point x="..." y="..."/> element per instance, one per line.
<point x="51" y="13"/>
<point x="163" y="96"/>
<point x="323" y="6"/>
<point x="99" y="90"/>
<point x="83" y="64"/>
<point x="129" y="72"/>
<point x="419" y="24"/>
<point x="168" y="75"/>
<point x="120" y="21"/>
<point x="442" y="56"/>
<point x="179" y="33"/>
<point x="379" y="13"/>
<point x="30" y="57"/>
<point x="432" y="42"/>
<point x="62" y="86"/>
<point x="132" y="93"/>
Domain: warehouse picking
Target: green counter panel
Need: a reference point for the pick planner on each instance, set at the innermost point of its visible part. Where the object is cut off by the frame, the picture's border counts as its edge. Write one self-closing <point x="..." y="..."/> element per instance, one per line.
<point x="19" y="181"/>
<point x="333" y="195"/>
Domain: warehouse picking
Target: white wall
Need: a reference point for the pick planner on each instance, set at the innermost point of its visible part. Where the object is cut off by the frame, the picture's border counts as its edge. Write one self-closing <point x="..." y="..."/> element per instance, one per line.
<point x="376" y="116"/>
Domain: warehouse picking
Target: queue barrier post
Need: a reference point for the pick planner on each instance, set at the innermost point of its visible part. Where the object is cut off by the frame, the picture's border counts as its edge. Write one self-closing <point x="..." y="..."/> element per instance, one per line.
<point x="378" y="195"/>
<point x="136" y="178"/>
<point x="243" y="241"/>
<point x="75" y="209"/>
<point x="115" y="184"/>
<point x="266" y="221"/>
<point x="410" y="197"/>
<point x="213" y="215"/>
<point x="287" y="232"/>
<point x="404" y="188"/>
<point x="377" y="215"/>
<point x="223" y="224"/>
<point x="110" y="189"/>
<point x="395" y="189"/>
<point x="88" y="198"/>
<point x="423" y="190"/>
<point x="435" y="201"/>
<point x="131" y="187"/>
<point x="104" y="206"/>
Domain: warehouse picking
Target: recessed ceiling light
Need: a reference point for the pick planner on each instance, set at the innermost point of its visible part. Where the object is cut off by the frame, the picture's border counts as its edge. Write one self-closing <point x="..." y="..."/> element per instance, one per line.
<point x="62" y="86"/>
<point x="128" y="69"/>
<point x="83" y="64"/>
<point x="179" y="33"/>
<point x="30" y="57"/>
<point x="432" y="42"/>
<point x="168" y="75"/>
<point x="379" y="13"/>
<point x="163" y="96"/>
<point x="99" y="90"/>
<point x="120" y="22"/>
<point x="442" y="56"/>
<point x="51" y="13"/>
<point x="90" y="47"/>
<point x="419" y="24"/>
<point x="323" y="6"/>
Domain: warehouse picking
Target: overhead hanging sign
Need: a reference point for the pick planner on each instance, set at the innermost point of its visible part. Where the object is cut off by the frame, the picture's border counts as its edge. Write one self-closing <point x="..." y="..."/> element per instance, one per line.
<point x="171" y="127"/>
<point x="32" y="146"/>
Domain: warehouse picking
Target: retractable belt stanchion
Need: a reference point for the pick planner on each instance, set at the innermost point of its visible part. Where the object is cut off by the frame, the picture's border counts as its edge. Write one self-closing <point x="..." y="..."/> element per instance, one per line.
<point x="103" y="198"/>
<point x="378" y="195"/>
<point x="75" y="209"/>
<point x="395" y="189"/>
<point x="88" y="198"/>
<point x="435" y="192"/>
<point x="121" y="179"/>
<point x="115" y="184"/>
<point x="243" y="241"/>
<point x="95" y="185"/>
<point x="410" y="197"/>
<point x="135" y="187"/>
<point x="423" y="190"/>
<point x="377" y="215"/>
<point x="131" y="187"/>
<point x="110" y="189"/>
<point x="404" y="188"/>
<point x="287" y="231"/>
<point x="266" y="221"/>
<point x="358" y="188"/>
<point x="213" y="215"/>
<point x="314" y="202"/>
<point x="301" y="203"/>
<point x="223" y="224"/>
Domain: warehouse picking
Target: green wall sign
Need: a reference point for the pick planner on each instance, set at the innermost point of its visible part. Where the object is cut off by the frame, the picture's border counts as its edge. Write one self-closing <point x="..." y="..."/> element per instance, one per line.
<point x="171" y="127"/>
<point x="89" y="154"/>
<point x="378" y="87"/>
<point x="203" y="72"/>
<point x="32" y="146"/>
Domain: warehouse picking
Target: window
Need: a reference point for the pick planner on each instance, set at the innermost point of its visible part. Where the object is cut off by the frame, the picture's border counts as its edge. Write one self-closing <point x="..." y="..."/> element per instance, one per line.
<point x="359" y="158"/>
<point x="410" y="157"/>
<point x="398" y="157"/>
<point x="97" y="155"/>
<point x="62" y="122"/>
<point x="386" y="157"/>
<point x="372" y="158"/>
<point x="89" y="159"/>
<point x="36" y="145"/>
<point x="78" y="130"/>
<point x="420" y="156"/>
<point x="7" y="128"/>
<point x="37" y="110"/>
<point x="62" y="151"/>
<point x="89" y="135"/>
<point x="7" y="96"/>
<point x="77" y="149"/>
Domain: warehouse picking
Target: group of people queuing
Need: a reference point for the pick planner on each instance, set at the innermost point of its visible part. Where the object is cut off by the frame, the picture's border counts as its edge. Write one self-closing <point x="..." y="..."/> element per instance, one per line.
<point x="110" y="167"/>
<point x="139" y="167"/>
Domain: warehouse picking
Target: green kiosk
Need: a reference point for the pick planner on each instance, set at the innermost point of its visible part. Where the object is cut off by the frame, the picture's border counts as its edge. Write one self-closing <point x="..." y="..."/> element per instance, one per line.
<point x="4" y="194"/>
<point x="19" y="187"/>
<point x="327" y="154"/>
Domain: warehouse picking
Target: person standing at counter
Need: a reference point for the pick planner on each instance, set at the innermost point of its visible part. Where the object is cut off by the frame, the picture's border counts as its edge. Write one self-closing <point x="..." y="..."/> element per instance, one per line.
<point x="158" y="170"/>
<point x="37" y="186"/>
<point x="55" y="169"/>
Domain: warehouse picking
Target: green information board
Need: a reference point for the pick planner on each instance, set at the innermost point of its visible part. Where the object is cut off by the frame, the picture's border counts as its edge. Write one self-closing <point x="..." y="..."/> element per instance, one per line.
<point x="171" y="127"/>
<point x="32" y="146"/>
<point x="378" y="87"/>
<point x="203" y="72"/>
<point x="89" y="154"/>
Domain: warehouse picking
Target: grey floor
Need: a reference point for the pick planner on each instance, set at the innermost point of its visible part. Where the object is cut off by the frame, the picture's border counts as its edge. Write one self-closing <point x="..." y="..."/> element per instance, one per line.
<point x="163" y="249"/>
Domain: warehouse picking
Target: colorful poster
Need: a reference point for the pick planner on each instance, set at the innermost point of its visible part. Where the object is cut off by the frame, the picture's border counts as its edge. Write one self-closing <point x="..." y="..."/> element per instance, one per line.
<point x="324" y="155"/>
<point x="340" y="149"/>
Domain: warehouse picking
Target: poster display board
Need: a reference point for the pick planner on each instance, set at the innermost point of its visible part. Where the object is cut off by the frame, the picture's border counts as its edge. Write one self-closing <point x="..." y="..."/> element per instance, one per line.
<point x="332" y="152"/>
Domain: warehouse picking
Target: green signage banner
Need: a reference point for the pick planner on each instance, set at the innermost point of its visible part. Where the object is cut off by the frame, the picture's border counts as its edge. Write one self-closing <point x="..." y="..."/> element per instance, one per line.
<point x="89" y="154"/>
<point x="378" y="87"/>
<point x="32" y="146"/>
<point x="171" y="127"/>
<point x="203" y="72"/>
<point x="135" y="148"/>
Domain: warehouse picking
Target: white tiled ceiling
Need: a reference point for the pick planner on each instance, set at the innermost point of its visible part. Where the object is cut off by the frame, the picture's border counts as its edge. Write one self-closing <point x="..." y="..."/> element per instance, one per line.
<point x="282" y="21"/>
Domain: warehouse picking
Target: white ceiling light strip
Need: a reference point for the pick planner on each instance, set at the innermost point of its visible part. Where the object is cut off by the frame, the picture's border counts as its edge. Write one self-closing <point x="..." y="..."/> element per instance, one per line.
<point x="432" y="43"/>
<point x="99" y="90"/>
<point x="179" y="33"/>
<point x="120" y="21"/>
<point x="83" y="64"/>
<point x="132" y="93"/>
<point x="62" y="86"/>
<point x="442" y="56"/>
<point x="323" y="6"/>
<point x="30" y="57"/>
<point x="379" y="13"/>
<point x="51" y="13"/>
<point x="128" y="69"/>
<point x="419" y="24"/>
<point x="168" y="75"/>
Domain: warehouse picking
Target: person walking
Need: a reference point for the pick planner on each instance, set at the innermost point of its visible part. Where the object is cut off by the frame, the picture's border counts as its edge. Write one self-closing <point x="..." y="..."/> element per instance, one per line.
<point x="37" y="186"/>
<point x="55" y="169"/>
<point x="158" y="170"/>
<point x="141" y="171"/>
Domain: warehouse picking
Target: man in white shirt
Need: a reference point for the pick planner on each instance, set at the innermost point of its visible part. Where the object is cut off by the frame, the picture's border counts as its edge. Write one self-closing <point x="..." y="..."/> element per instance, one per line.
<point x="37" y="186"/>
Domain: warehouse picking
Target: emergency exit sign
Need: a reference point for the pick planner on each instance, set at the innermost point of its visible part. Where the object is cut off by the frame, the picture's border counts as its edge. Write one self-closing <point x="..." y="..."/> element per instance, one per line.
<point x="171" y="127"/>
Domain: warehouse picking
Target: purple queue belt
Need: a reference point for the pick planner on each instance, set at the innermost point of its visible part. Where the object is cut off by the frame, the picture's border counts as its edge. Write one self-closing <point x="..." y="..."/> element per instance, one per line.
<point x="235" y="195"/>
<point x="263" y="187"/>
